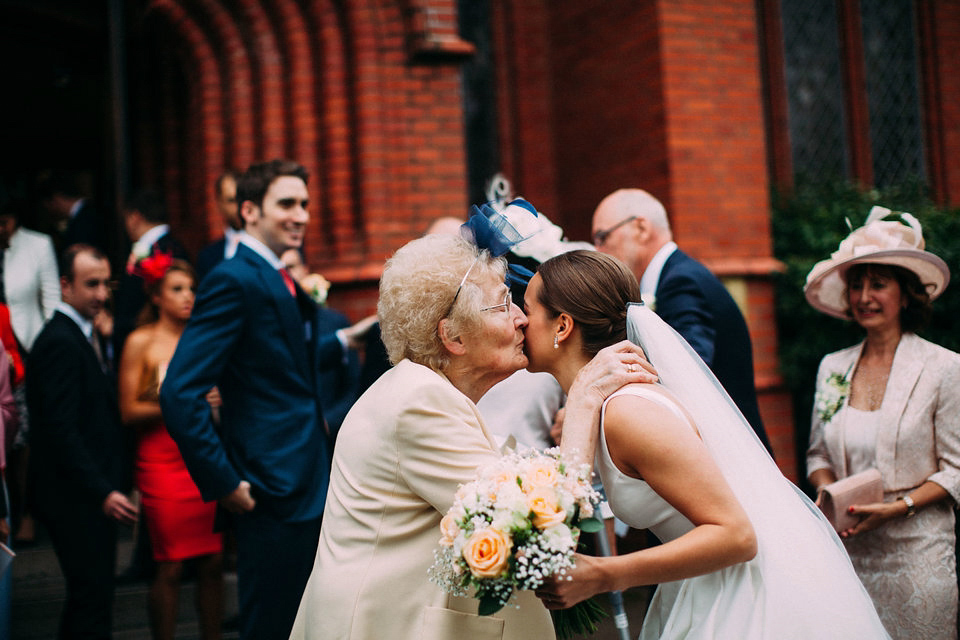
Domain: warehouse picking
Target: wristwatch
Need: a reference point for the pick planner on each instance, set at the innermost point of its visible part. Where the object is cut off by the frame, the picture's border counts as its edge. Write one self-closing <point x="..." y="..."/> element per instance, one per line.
<point x="911" y="507"/>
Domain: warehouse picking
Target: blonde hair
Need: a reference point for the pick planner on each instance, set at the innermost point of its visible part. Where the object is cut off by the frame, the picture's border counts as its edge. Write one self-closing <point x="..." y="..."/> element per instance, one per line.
<point x="417" y="289"/>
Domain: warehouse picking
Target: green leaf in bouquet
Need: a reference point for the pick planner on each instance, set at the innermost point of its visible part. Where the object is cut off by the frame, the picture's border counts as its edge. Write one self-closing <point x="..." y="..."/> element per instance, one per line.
<point x="591" y="525"/>
<point x="489" y="604"/>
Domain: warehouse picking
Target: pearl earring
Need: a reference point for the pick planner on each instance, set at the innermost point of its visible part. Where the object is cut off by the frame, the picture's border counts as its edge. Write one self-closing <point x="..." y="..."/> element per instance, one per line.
<point x="556" y="341"/>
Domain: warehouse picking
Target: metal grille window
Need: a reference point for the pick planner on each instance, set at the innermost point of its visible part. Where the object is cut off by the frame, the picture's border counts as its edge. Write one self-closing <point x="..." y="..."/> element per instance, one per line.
<point x="891" y="62"/>
<point x="814" y="88"/>
<point x="816" y="97"/>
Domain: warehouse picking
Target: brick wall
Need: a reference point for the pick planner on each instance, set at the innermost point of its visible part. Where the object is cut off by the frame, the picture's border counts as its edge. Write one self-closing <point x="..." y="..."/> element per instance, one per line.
<point x="665" y="96"/>
<point x="366" y="96"/>
<point x="939" y="25"/>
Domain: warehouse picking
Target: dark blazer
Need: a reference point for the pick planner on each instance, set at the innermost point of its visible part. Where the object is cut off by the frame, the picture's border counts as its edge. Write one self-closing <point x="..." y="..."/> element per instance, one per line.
<point x="86" y="226"/>
<point x="78" y="447"/>
<point x="261" y="347"/>
<point x="375" y="359"/>
<point x="339" y="382"/>
<point x="209" y="257"/>
<point x="696" y="304"/>
<point x="131" y="297"/>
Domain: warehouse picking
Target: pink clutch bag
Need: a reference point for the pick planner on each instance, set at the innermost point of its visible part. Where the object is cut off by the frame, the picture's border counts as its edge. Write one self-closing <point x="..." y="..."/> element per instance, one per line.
<point x="861" y="488"/>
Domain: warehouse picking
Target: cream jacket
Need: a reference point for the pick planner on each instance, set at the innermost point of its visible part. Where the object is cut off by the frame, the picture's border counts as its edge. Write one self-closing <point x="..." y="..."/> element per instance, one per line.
<point x="404" y="449"/>
<point x="919" y="432"/>
<point x="31" y="283"/>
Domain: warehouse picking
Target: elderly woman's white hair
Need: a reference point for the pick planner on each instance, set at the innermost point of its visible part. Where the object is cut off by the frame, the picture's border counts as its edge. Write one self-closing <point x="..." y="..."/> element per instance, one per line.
<point x="418" y="286"/>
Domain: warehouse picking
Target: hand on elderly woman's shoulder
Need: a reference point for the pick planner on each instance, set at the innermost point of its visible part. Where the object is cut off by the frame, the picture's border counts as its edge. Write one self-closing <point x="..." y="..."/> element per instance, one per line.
<point x="614" y="366"/>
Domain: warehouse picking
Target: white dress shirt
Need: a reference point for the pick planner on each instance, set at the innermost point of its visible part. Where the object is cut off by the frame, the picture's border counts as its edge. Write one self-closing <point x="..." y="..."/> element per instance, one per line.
<point x="651" y="276"/>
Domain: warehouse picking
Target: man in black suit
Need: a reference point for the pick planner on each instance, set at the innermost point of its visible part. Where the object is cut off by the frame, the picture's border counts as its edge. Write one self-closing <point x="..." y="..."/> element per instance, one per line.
<point x="145" y="220"/>
<point x="75" y="217"/>
<point x="225" y="189"/>
<point x="632" y="226"/>
<point x="79" y="459"/>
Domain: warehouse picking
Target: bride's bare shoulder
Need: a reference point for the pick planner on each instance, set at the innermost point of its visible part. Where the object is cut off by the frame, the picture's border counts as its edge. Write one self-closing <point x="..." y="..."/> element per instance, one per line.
<point x="650" y="413"/>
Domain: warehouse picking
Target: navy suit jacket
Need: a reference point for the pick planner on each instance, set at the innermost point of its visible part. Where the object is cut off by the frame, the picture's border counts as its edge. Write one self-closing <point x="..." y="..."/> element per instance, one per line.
<point x="340" y="381"/>
<point x="696" y="304"/>
<point x="209" y="257"/>
<point x="261" y="347"/>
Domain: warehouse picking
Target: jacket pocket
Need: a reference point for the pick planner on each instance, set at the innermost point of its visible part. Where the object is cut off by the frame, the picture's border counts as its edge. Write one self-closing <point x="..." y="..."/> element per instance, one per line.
<point x="447" y="624"/>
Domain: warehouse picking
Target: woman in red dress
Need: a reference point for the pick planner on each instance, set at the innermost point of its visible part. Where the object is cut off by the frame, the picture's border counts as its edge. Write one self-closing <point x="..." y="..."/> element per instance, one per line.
<point x="179" y="521"/>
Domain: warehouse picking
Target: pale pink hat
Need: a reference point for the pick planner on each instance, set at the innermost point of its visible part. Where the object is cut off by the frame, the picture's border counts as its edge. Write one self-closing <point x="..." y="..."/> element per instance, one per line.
<point x="878" y="241"/>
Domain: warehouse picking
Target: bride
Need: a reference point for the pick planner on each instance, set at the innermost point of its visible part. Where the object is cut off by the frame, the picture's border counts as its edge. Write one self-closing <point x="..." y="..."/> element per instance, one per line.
<point x="745" y="554"/>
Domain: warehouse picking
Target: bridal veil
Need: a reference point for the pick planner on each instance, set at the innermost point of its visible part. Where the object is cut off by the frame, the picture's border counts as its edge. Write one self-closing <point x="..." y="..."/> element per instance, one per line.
<point x="808" y="587"/>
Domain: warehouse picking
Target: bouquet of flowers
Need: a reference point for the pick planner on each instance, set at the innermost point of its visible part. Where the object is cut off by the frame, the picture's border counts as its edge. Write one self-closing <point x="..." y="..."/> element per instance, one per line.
<point x="514" y="526"/>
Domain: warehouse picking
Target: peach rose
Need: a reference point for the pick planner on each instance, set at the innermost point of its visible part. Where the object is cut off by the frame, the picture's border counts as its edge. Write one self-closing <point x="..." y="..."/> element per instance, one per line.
<point x="546" y="511"/>
<point x="541" y="474"/>
<point x="449" y="530"/>
<point x="486" y="552"/>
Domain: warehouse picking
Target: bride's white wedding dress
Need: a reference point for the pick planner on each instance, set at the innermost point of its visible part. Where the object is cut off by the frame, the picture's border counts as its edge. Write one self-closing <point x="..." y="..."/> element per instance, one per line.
<point x="800" y="585"/>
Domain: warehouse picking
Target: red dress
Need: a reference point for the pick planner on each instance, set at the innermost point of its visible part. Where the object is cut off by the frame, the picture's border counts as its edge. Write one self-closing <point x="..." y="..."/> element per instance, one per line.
<point x="179" y="521"/>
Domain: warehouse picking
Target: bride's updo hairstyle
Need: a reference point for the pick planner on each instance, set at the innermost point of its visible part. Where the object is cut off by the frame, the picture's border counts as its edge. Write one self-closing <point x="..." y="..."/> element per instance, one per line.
<point x="429" y="279"/>
<point x="594" y="289"/>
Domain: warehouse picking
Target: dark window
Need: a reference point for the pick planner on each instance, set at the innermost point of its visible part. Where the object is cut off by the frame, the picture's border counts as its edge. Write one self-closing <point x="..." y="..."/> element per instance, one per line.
<point x="891" y="64"/>
<point x="814" y="64"/>
<point x="814" y="88"/>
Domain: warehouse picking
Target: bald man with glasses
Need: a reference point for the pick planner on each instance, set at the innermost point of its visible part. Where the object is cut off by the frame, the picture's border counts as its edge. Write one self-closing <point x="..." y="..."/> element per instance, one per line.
<point x="632" y="226"/>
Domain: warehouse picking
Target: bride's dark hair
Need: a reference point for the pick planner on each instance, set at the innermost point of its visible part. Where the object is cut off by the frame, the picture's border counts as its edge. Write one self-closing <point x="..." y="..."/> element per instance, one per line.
<point x="594" y="289"/>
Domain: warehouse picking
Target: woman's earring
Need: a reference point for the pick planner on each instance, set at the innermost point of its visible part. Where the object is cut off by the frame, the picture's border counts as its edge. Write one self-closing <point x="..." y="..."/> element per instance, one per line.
<point x="556" y="341"/>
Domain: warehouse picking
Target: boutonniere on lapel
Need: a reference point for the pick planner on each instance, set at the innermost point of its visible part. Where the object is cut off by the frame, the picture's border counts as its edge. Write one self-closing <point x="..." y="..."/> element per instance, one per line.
<point x="136" y="255"/>
<point x="317" y="286"/>
<point x="832" y="395"/>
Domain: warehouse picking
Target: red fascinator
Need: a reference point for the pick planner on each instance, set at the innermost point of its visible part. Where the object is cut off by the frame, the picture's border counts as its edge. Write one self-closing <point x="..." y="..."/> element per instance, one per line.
<point x="153" y="267"/>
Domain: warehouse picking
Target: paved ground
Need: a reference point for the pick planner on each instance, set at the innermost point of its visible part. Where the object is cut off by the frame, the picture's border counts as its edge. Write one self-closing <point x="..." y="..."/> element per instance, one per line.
<point x="38" y="594"/>
<point x="38" y="599"/>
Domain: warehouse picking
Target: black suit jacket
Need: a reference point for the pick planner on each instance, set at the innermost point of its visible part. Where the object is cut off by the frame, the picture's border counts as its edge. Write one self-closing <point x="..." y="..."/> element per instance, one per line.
<point x="209" y="257"/>
<point x="131" y="297"/>
<point x="78" y="447"/>
<point x="696" y="304"/>
<point x="86" y="227"/>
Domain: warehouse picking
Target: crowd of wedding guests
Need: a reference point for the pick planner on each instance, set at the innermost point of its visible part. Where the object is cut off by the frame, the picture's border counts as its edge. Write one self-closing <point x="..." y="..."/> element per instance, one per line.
<point x="205" y="403"/>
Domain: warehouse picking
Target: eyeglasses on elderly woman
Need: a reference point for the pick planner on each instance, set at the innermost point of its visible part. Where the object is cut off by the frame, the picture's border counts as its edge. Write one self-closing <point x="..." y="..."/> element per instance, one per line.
<point x="503" y="306"/>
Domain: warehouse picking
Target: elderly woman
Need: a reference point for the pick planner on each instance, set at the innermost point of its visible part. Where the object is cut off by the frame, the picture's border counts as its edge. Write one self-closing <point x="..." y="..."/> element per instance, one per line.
<point x="452" y="332"/>
<point x="892" y="403"/>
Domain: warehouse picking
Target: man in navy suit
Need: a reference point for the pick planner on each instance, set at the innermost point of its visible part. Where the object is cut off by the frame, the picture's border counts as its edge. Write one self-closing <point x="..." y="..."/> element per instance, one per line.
<point x="79" y="463"/>
<point x="632" y="226"/>
<point x="225" y="189"/>
<point x="254" y="334"/>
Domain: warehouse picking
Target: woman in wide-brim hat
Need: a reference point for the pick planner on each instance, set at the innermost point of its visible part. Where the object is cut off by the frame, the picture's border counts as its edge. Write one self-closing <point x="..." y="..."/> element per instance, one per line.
<point x="892" y="403"/>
